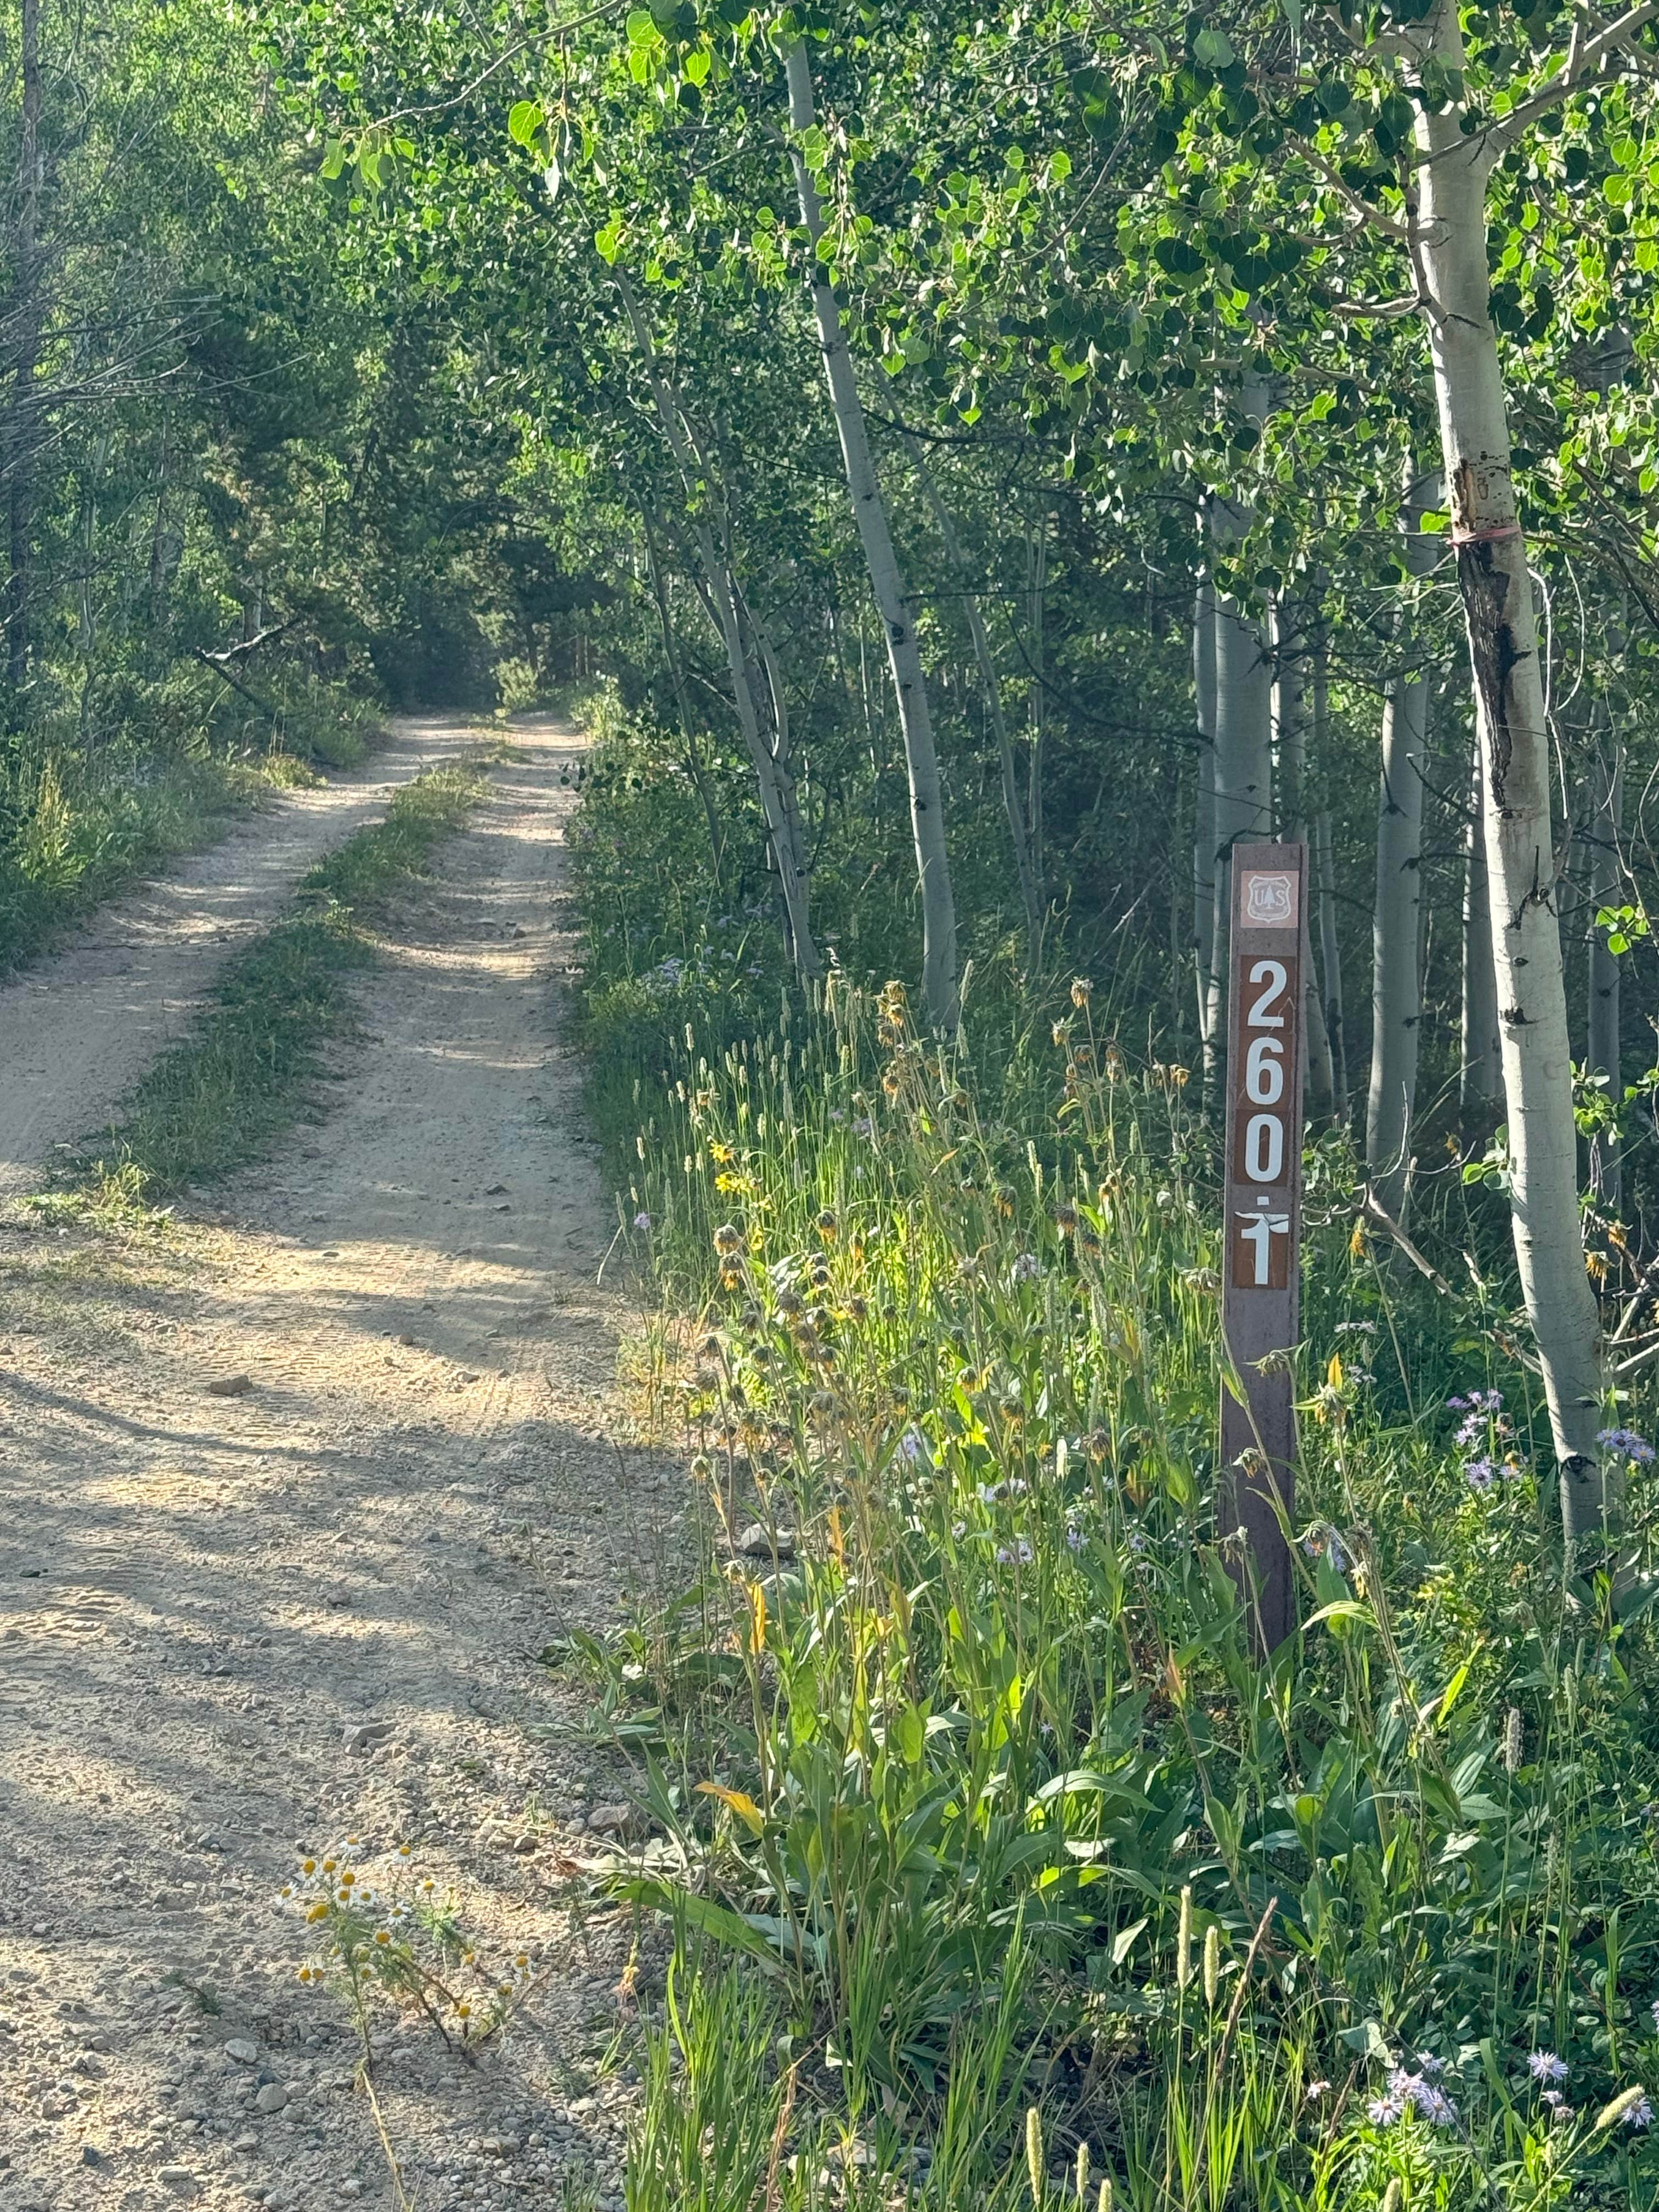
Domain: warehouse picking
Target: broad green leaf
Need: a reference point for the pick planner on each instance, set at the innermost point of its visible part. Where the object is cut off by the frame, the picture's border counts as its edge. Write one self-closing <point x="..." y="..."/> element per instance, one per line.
<point x="524" y="119"/>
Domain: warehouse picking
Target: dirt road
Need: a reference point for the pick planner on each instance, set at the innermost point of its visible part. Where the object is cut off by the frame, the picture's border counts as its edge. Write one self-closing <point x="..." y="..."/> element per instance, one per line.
<point x="234" y="1625"/>
<point x="77" y="1029"/>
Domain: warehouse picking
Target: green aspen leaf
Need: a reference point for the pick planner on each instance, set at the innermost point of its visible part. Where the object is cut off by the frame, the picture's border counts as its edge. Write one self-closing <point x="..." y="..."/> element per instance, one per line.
<point x="1433" y="523"/>
<point x="1647" y="255"/>
<point x="697" y="65"/>
<point x="334" y="159"/>
<point x="641" y="27"/>
<point x="607" y="242"/>
<point x="524" y="119"/>
<point x="1213" y="48"/>
<point x="1617" y="190"/>
<point x="1059" y="165"/>
<point x="639" y="63"/>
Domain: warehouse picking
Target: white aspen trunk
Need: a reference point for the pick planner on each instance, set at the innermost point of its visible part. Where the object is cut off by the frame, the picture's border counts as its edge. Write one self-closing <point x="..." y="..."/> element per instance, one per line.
<point x="18" y="430"/>
<point x="1602" y="1055"/>
<point x="1037" y="709"/>
<point x="1243" y="734"/>
<point x="1204" y="819"/>
<point x="721" y="598"/>
<point x="1397" y="918"/>
<point x="1330" y="962"/>
<point x="1324" y="869"/>
<point x="940" y="981"/>
<point x="682" y="697"/>
<point x="1480" y="1083"/>
<point x="1449" y="253"/>
<point x="1030" y="890"/>
<point x="1290" y="747"/>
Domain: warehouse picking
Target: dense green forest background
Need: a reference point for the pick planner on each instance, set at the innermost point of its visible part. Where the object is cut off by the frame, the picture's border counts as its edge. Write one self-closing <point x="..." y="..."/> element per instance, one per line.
<point x="966" y="472"/>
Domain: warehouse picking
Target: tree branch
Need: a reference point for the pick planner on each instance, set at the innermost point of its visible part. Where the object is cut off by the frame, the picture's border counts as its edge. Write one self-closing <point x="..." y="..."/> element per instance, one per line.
<point x="1582" y="61"/>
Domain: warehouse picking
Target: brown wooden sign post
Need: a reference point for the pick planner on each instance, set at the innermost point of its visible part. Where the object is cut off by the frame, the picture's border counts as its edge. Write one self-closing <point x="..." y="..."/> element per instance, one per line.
<point x="1261" y="1305"/>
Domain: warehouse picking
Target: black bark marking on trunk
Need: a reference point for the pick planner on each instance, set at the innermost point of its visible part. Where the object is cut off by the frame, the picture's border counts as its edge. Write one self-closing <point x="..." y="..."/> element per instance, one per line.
<point x="1485" y="591"/>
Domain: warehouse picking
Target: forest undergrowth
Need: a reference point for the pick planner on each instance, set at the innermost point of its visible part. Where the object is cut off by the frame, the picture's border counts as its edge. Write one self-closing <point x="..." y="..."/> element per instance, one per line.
<point x="1001" y="1870"/>
<point x="78" y="827"/>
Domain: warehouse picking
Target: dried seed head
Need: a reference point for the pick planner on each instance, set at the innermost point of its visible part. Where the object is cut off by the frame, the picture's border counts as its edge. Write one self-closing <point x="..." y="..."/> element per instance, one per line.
<point x="1033" y="2154"/>
<point x="1082" y="2172"/>
<point x="1512" y="1742"/>
<point x="1211" y="1964"/>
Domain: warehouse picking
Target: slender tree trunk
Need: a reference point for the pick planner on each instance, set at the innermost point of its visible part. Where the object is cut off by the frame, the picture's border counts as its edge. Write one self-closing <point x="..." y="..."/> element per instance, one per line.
<point x="1450" y="247"/>
<point x="940" y="982"/>
<point x="1324" y="872"/>
<point x="1289" y="737"/>
<point x="682" y="698"/>
<point x="1243" y="729"/>
<point x="1330" y="964"/>
<point x="722" y="599"/>
<point x="1204" y="822"/>
<point x="1036" y="589"/>
<point x="1481" y="1082"/>
<point x="158" y="570"/>
<point x="28" y="305"/>
<point x="1029" y="890"/>
<point x="1397" y="918"/>
<point x="1602" y="1055"/>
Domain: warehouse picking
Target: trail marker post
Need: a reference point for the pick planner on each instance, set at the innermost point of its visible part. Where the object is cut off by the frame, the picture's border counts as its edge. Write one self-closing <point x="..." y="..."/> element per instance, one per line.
<point x="1260" y="1272"/>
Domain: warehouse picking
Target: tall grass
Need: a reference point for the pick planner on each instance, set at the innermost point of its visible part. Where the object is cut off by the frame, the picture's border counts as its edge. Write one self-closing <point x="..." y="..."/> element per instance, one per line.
<point x="77" y="828"/>
<point x="968" y="1777"/>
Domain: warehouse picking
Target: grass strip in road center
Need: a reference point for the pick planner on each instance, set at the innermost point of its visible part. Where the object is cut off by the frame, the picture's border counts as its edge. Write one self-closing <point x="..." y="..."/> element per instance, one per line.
<point x="251" y="1065"/>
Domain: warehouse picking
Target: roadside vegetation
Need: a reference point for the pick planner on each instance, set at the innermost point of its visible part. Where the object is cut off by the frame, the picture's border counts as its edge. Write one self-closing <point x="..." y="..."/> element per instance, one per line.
<point x="974" y="1801"/>
<point x="993" y="463"/>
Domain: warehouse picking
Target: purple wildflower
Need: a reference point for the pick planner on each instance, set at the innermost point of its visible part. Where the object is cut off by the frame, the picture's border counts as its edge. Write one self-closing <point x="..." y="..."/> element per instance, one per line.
<point x="1626" y="1444"/>
<point x="1409" y="2091"/>
<point x="1480" y="1473"/>
<point x="1545" y="2066"/>
<point x="1027" y="1268"/>
<point x="641" y="1220"/>
<point x="1640" y="2114"/>
<point x="913" y="1447"/>
<point x="1073" y="1537"/>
